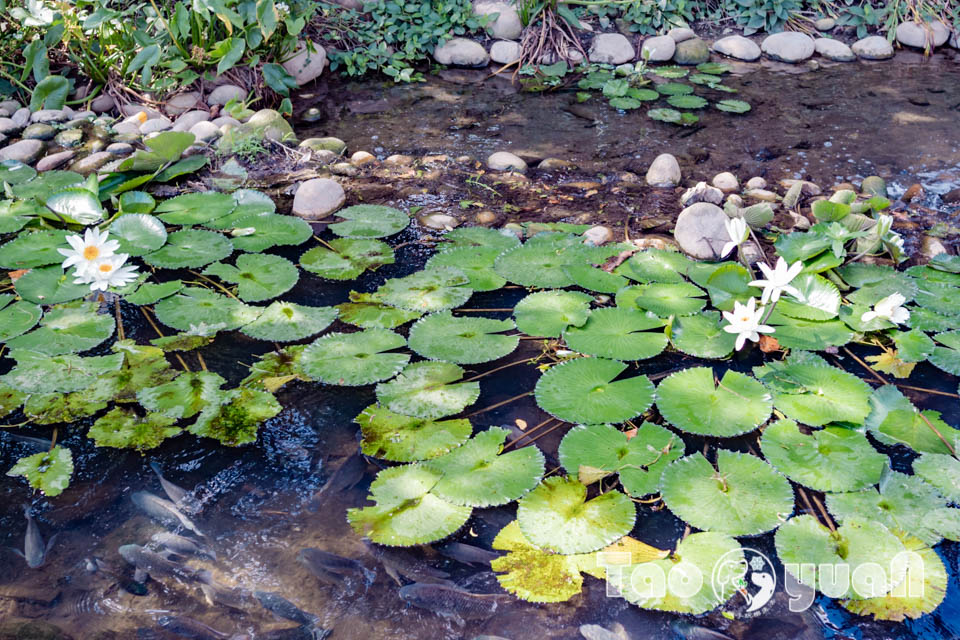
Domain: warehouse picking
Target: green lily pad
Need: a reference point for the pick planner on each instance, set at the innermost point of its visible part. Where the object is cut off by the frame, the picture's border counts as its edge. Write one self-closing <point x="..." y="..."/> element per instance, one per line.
<point x="124" y="429"/>
<point x="275" y="369"/>
<point x="143" y="366"/>
<point x="557" y="517"/>
<point x="475" y="262"/>
<point x="195" y="208"/>
<point x="733" y="106"/>
<point x="235" y="421"/>
<point x="286" y="322"/>
<point x="942" y="472"/>
<point x="815" y="393"/>
<point x="54" y="408"/>
<point x="673" y="89"/>
<point x="820" y="299"/>
<point x="619" y="334"/>
<point x="548" y="313"/>
<point x="399" y="438"/>
<point x="367" y="311"/>
<point x="257" y="276"/>
<point x="67" y="328"/>
<point x="190" y="249"/>
<point x="40" y="373"/>
<point x="46" y="183"/>
<point x="809" y="335"/>
<point x="428" y="390"/>
<point x="935" y="296"/>
<point x="947" y="357"/>
<point x="687" y="102"/>
<point x="18" y="318"/>
<point x="714" y="68"/>
<point x="10" y="400"/>
<point x="348" y="258"/>
<point x="702" y="336"/>
<point x="437" y="289"/>
<point x="15" y="214"/>
<point x="593" y="278"/>
<point x="669" y="299"/>
<point x="370" y="221"/>
<point x="501" y="239"/>
<point x="655" y="265"/>
<point x="929" y="320"/>
<point x="201" y="310"/>
<point x="15" y="172"/>
<point x="746" y="495"/>
<point x="150" y="293"/>
<point x="137" y="202"/>
<point x="541" y="261"/>
<point x="259" y="232"/>
<point x="48" y="471"/>
<point x="672" y="71"/>
<point x="584" y="391"/>
<point x="76" y="205"/>
<point x="185" y="396"/>
<point x="49" y="285"/>
<point x="35" y="249"/>
<point x="913" y="346"/>
<point x="894" y="420"/>
<point x="694" y="401"/>
<point x="354" y="359"/>
<point x="470" y="340"/>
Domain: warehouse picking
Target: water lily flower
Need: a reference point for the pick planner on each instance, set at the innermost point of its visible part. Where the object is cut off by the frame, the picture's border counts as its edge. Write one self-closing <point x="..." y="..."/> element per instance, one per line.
<point x="778" y="280"/>
<point x="890" y="309"/>
<point x="86" y="250"/>
<point x="108" y="272"/>
<point x="737" y="230"/>
<point x="745" y="322"/>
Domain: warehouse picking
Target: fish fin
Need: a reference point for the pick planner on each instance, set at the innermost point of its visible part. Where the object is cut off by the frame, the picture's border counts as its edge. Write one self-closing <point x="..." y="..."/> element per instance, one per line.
<point x="50" y="542"/>
<point x="317" y="632"/>
<point x="18" y="552"/>
<point x="207" y="591"/>
<point x="393" y="574"/>
<point x="156" y="468"/>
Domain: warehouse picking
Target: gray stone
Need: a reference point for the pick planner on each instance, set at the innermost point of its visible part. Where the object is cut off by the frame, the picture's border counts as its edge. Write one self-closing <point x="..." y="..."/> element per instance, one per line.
<point x="318" y="198"/>
<point x="834" y="50"/>
<point x="156" y="125"/>
<point x="120" y="148"/>
<point x="312" y="115"/>
<point x="462" y="52"/>
<point x="4" y="113"/>
<point x="507" y="26"/>
<point x="399" y="160"/>
<point x="825" y="24"/>
<point x="440" y="221"/>
<point x="182" y="102"/>
<point x="611" y="48"/>
<point x="726" y="182"/>
<point x="788" y="46"/>
<point x="10" y="106"/>
<point x="737" y="47"/>
<point x="658" y="48"/>
<point x="361" y="158"/>
<point x="323" y="156"/>
<point x="20" y="629"/>
<point x="702" y="192"/>
<point x="931" y="247"/>
<point x="307" y="63"/>
<point x="92" y="162"/>
<point x="764" y="195"/>
<point x="873" y="48"/>
<point x="49" y="115"/>
<point x="756" y="182"/>
<point x="344" y="169"/>
<point x="224" y="120"/>
<point x="127" y="127"/>
<point x="664" y="171"/>
<point x="133" y="108"/>
<point x="679" y="34"/>
<point x="25" y="151"/>
<point x="506" y="161"/>
<point x="21" y="117"/>
<point x="225" y="93"/>
<point x="69" y="138"/>
<point x="598" y="235"/>
<point x="126" y="137"/>
<point x="701" y="230"/>
<point x="505" y="51"/>
<point x="8" y="126"/>
<point x="270" y="124"/>
<point x="874" y="186"/>
<point x="186" y="121"/>
<point x="922" y="35"/>
<point x="552" y="164"/>
<point x="335" y="145"/>
<point x="205" y="131"/>
<point x="103" y="104"/>
<point x="691" y="52"/>
<point x="55" y="160"/>
<point x="76" y="122"/>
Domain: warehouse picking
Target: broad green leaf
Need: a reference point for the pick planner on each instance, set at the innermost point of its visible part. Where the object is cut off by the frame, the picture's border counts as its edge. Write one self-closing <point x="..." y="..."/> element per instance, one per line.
<point x="258" y="276"/>
<point x="942" y="472"/>
<point x="399" y="438"/>
<point x="702" y="336"/>
<point x="618" y="333"/>
<point x="583" y="391"/>
<point x="286" y="322"/>
<point x="541" y="261"/>
<point x="367" y="311"/>
<point x="437" y="289"/>
<point x="428" y="390"/>
<point x="48" y="471"/>
<point x="548" y="313"/>
<point x="894" y="420"/>
<point x="501" y="239"/>
<point x="150" y="293"/>
<point x="18" y="318"/>
<point x="346" y="258"/>
<point x="815" y="394"/>
<point x="35" y="249"/>
<point x="195" y="208"/>
<point x="39" y="373"/>
<point x="190" y="249"/>
<point x="77" y="206"/>
<point x="354" y="359"/>
<point x="50" y="93"/>
<point x="202" y="311"/>
<point x="236" y="420"/>
<point x="124" y="429"/>
<point x="256" y="233"/>
<point x="185" y="396"/>
<point x="475" y="262"/>
<point x="170" y="145"/>
<point x="664" y="299"/>
<point x="370" y="221"/>
<point x="467" y="340"/>
<point x="67" y="328"/>
<point x="695" y="401"/>
<point x="138" y="233"/>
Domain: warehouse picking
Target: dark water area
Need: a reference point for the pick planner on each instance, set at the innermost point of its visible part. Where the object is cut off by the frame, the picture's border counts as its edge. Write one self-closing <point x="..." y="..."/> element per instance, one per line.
<point x="834" y="124"/>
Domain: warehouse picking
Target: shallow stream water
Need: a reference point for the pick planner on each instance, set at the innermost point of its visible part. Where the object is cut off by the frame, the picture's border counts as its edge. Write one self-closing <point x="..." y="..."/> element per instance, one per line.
<point x="898" y="120"/>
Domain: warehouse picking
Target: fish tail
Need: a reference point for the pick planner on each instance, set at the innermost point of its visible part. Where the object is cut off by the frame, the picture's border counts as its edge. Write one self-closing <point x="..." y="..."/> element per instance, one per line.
<point x="204" y="576"/>
<point x="27" y="509"/>
<point x="156" y="468"/>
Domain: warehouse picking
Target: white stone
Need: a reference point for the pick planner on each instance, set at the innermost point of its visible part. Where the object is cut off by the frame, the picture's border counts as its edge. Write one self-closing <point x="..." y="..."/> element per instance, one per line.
<point x="438" y="221"/>
<point x="660" y="48"/>
<point x="506" y="161"/>
<point x="21" y="117"/>
<point x="919" y="36"/>
<point x="155" y="125"/>
<point x="788" y="46"/>
<point x="317" y="198"/>
<point x="702" y="192"/>
<point x="360" y="158"/>
<point x="225" y="120"/>
<point x="48" y="116"/>
<point x="873" y="48"/>
<point x="25" y="151"/>
<point x="307" y="63"/>
<point x="825" y="24"/>
<point x="834" y="50"/>
<point x="462" y="52"/>
<point x="205" y="131"/>
<point x="9" y="127"/>
<point x="679" y="34"/>
<point x="598" y="235"/>
<point x="182" y="102"/>
<point x="507" y="26"/>
<point x="664" y="171"/>
<point x="611" y="48"/>
<point x="756" y="182"/>
<point x="505" y="51"/>
<point x="127" y="127"/>
<point x="737" y="47"/>
<point x="701" y="230"/>
<point x="133" y="109"/>
<point x="726" y="182"/>
<point x="225" y="93"/>
<point x="186" y="121"/>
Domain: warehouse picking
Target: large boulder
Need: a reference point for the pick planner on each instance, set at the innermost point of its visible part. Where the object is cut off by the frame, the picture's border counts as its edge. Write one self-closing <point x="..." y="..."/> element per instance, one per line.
<point x="461" y="52"/>
<point x="658" y="48"/>
<point x="318" y="198"/>
<point x="834" y="50"/>
<point x="691" y="52"/>
<point x="737" y="47"/>
<point x="507" y="26"/>
<point x="788" y="46"/>
<point x="307" y="63"/>
<point x="873" y="48"/>
<point x="922" y="35"/>
<point x="701" y="230"/>
<point x="664" y="171"/>
<point x="611" y="48"/>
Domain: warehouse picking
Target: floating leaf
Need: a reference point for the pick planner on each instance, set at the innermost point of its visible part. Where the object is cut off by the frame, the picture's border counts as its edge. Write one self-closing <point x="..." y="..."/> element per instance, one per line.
<point x="687" y="102"/>
<point x="195" y="208"/>
<point x="347" y="258"/>
<point x="702" y="336"/>
<point x="746" y="495"/>
<point x="810" y="335"/>
<point x="185" y="396"/>
<point x="655" y="265"/>
<point x="367" y="311"/>
<point x="136" y="202"/>
<point x="259" y="232"/>
<point x="275" y="369"/>
<point x="733" y="106"/>
<point x="664" y="299"/>
<point x="286" y="322"/>
<point x="820" y="299"/>
<point x="14" y="172"/>
<point x="35" y="249"/>
<point x="942" y="472"/>
<point x="814" y="393"/>
<point x="53" y="408"/>
<point x="548" y="313"/>
<point x="354" y="359"/>
<point x="428" y="390"/>
<point x="935" y="296"/>
<point x="541" y="261"/>
<point x="46" y="183"/>
<point x="370" y="221"/>
<point x="49" y="285"/>
<point x="18" y="318"/>
<point x="947" y="357"/>
<point x="929" y="320"/>
<point x="501" y="239"/>
<point x="257" y="276"/>
<point x="584" y="391"/>
<point x="236" y="420"/>
<point x="39" y="373"/>
<point x="693" y="400"/>
<point x="913" y="346"/>
<point x="67" y="328"/>
<point x="438" y="289"/>
<point x="715" y="68"/>
<point x="48" y="471"/>
<point x="150" y="293"/>
<point x="194" y="309"/>
<point x="894" y="420"/>
<point x="183" y="342"/>
<point x="557" y="517"/>
<point x="673" y="89"/>
<point x="671" y="72"/>
<point x="475" y="262"/>
<point x="15" y="214"/>
<point x="191" y="249"/>
<point x="124" y="429"/>
<point x="619" y="334"/>
<point x="76" y="205"/>
<point x="442" y="336"/>
<point x="10" y="400"/>
<point x="138" y="233"/>
<point x="399" y="438"/>
<point x="143" y="366"/>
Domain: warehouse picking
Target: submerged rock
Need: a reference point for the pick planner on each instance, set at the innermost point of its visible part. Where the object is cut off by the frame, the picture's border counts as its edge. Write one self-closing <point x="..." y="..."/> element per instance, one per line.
<point x="664" y="171"/>
<point x="691" y="52"/>
<point x="788" y="46"/>
<point x="39" y="131"/>
<point x="701" y="230"/>
<point x="506" y="161"/>
<point x="702" y="193"/>
<point x="737" y="47"/>
<point x="834" y="50"/>
<point x="726" y="182"/>
<point x="611" y="48"/>
<point x="873" y="48"/>
<point x="317" y="198"/>
<point x="30" y="630"/>
<point x="659" y="48"/>
<point x="439" y="221"/>
<point x="335" y="145"/>
<point x="598" y="235"/>
<point x="461" y="52"/>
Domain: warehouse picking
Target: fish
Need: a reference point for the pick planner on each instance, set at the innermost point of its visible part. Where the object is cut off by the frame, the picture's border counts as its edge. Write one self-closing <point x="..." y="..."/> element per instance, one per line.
<point x="163" y="511"/>
<point x="183" y="499"/>
<point x="280" y="606"/>
<point x="194" y="629"/>
<point x="332" y="568"/>
<point x="467" y="553"/>
<point x="690" y="631"/>
<point x="181" y="545"/>
<point x="450" y="601"/>
<point x="40" y="444"/>
<point x="303" y="632"/>
<point x="230" y="597"/>
<point x="596" y="632"/>
<point x="397" y="563"/>
<point x="34" y="551"/>
<point x="347" y="475"/>
<point x="153" y="564"/>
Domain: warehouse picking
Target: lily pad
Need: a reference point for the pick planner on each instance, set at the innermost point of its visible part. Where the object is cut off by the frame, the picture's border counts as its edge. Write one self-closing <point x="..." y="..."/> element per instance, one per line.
<point x="143" y="366"/>
<point x="195" y="208"/>
<point x="195" y="308"/>
<point x="913" y="346"/>
<point x="733" y="106"/>
<point x="428" y="390"/>
<point x="124" y="429"/>
<point x="557" y="517"/>
<point x="15" y="172"/>
<point x="76" y="205"/>
<point x="475" y="262"/>
<point x="367" y="311"/>
<point x="541" y="261"/>
<point x="820" y="299"/>
<point x="48" y="471"/>
<point x="585" y="391"/>
<point x="53" y="408"/>
<point x="347" y="258"/>
<point x="669" y="299"/>
<point x="501" y="239"/>
<point x="354" y="359"/>
<point x="619" y="334"/>
<point x="714" y="68"/>
<point x="15" y="214"/>
<point x="655" y="265"/>
<point x="399" y="438"/>
<point x="947" y="357"/>
<point x="235" y="421"/>
<point x="743" y="496"/>
<point x="136" y="202"/>
<point x="810" y="335"/>
<point x="190" y="249"/>
<point x="259" y="232"/>
<point x="673" y="89"/>
<point x="275" y="369"/>
<point x="67" y="328"/>
<point x="49" y="285"/>
<point x="151" y="293"/>
<point x="894" y="420"/>
<point x="257" y="276"/>
<point x="436" y="289"/>
<point x="942" y="472"/>
<point x="46" y="183"/>
<point x="35" y="249"/>
<point x="370" y="221"/>
<point x="40" y="373"/>
<point x="185" y="396"/>
<point x="693" y="400"/>
<point x="548" y="313"/>
<point x="687" y="102"/>
<point x="286" y="322"/>
<point x="470" y="340"/>
<point x="702" y="336"/>
<point x="815" y="394"/>
<point x="18" y="318"/>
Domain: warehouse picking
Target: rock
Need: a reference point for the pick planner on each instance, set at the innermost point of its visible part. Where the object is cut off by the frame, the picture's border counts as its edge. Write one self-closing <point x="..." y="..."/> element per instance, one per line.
<point x="598" y="235"/>
<point x="155" y="125"/>
<point x="462" y="52"/>
<point x="922" y="35"/>
<point x="30" y="630"/>
<point x="734" y="200"/>
<point x="134" y="108"/>
<point x="825" y="24"/>
<point x="611" y="48"/>
<point x="691" y="52"/>
<point x="38" y="131"/>
<point x="679" y="34"/>
<point x="756" y="182"/>
<point x="505" y="51"/>
<point x="438" y="221"/>
<point x="873" y="48"/>
<point x="701" y="231"/>
<point x="336" y="145"/>
<point x="312" y="115"/>
<point x="915" y="192"/>
<point x="798" y="221"/>
<point x="737" y="47"/>
<point x="702" y="192"/>
<point x="506" y="161"/>
<point x="874" y="186"/>
<point x="344" y="169"/>
<point x="664" y="171"/>
<point x="49" y="115"/>
<point x="931" y="247"/>
<point x="127" y="127"/>
<point x="120" y="148"/>
<point x="186" y="120"/>
<point x="486" y="218"/>
<point x="182" y="102"/>
<point x="224" y="120"/>
<point x="69" y="138"/>
<point x="659" y="48"/>
<point x="726" y="182"/>
<point x="399" y="160"/>
<point x="270" y="124"/>
<point x="552" y="164"/>
<point x="102" y="104"/>
<point x="92" y="162"/>
<point x="55" y="160"/>
<point x="953" y="40"/>
<point x="25" y="151"/>
<point x="361" y="158"/>
<point x="323" y="156"/>
<point x="788" y="46"/>
<point x="10" y="106"/>
<point x="844" y="186"/>
<point x="318" y="198"/>
<point x="21" y="117"/>
<point x="792" y="197"/>
<point x="205" y="131"/>
<point x="834" y="50"/>
<point x="127" y="137"/>
<point x="761" y="194"/>
<point x="225" y="93"/>
<point x="952" y="196"/>
<point x="507" y="26"/>
<point x="307" y="63"/>
<point x="8" y="127"/>
<point x="806" y="187"/>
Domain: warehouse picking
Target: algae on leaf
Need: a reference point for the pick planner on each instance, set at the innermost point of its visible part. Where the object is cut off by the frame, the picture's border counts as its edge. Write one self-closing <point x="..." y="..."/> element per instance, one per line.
<point x="400" y="438"/>
<point x="234" y="421"/>
<point x="124" y="429"/>
<point x="428" y="390"/>
<point x="48" y="471"/>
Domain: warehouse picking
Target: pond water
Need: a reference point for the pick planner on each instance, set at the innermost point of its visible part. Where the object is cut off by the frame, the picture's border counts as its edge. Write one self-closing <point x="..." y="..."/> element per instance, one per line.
<point x="839" y="123"/>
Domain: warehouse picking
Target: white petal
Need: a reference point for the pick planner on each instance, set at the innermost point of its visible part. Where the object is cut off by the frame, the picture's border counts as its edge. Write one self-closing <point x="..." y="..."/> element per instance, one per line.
<point x="727" y="248"/>
<point x="868" y="316"/>
<point x="740" y="340"/>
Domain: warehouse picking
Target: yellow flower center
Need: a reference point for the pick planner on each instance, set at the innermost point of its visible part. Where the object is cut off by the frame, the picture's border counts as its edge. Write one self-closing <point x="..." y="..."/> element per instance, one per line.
<point x="91" y="253"/>
<point x="106" y="268"/>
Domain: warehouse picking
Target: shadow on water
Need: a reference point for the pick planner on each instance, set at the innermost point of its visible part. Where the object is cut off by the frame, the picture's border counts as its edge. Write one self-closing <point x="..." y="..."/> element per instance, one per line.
<point x="255" y="513"/>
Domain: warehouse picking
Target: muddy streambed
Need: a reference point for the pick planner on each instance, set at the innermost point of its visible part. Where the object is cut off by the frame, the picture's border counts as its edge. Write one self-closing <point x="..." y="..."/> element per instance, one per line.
<point x="897" y="120"/>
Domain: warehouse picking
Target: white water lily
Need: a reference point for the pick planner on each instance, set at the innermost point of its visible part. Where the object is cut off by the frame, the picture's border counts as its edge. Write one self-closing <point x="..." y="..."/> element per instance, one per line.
<point x="890" y="309"/>
<point x="737" y="230"/>
<point x="745" y="322"/>
<point x="86" y="250"/>
<point x="108" y="272"/>
<point x="778" y="280"/>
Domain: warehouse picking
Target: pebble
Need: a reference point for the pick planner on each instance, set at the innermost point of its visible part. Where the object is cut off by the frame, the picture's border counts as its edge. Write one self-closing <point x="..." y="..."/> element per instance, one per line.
<point x="664" y="171"/>
<point x="915" y="192"/>
<point x="691" y="52"/>
<point x="737" y="47"/>
<point x="461" y="52"/>
<point x="507" y="26"/>
<point x="761" y="194"/>
<point x="931" y="247"/>
<point x="438" y="221"/>
<point x="69" y="138"/>
<point x="952" y="196"/>
<point x="344" y="169"/>
<point x="225" y="93"/>
<point x="726" y="182"/>
<point x="825" y="24"/>
<point x="312" y="115"/>
<point x="323" y="156"/>
<point x="205" y="131"/>
<point x="598" y="235"/>
<point x="103" y="104"/>
<point x="505" y="51"/>
<point x="679" y="34"/>
<point x="224" y="120"/>
<point x="21" y="117"/>
<point x="92" y="162"/>
<point x="127" y="127"/>
<point x="486" y="217"/>
<point x="701" y="192"/>
<point x="119" y="148"/>
<point x="552" y="164"/>
<point x="336" y="145"/>
<point x="701" y="230"/>
<point x="756" y="182"/>
<point x="788" y="46"/>
<point x="834" y="50"/>
<point x="38" y="131"/>
<point x="611" y="48"/>
<point x="55" y="160"/>
<point x="807" y="188"/>
<point x="186" y="120"/>
<point x="307" y="63"/>
<point x="318" y="198"/>
<point x="8" y="126"/>
<point x="874" y="186"/>
<point x="49" y="115"/>
<point x="134" y="108"/>
<point x="182" y="102"/>
<point x="399" y="160"/>
<point x="506" y="161"/>
<point x="734" y="200"/>
<point x="873" y="48"/>
<point x="25" y="151"/>
<point x="659" y="48"/>
<point x="155" y="125"/>
<point x="920" y="36"/>
<point x="361" y="158"/>
<point x="10" y="106"/>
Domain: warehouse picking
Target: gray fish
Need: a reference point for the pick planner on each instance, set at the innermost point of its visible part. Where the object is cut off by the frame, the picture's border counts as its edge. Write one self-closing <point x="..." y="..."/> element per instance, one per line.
<point x="690" y="631"/>
<point x="40" y="444"/>
<point x="181" y="545"/>
<point x="332" y="568"/>
<point x="163" y="511"/>
<point x="190" y="628"/>
<point x="398" y="562"/>
<point x="467" y="553"/>
<point x="280" y="606"/>
<point x="231" y="597"/>
<point x="153" y="564"/>
<point x="451" y="602"/>
<point x="183" y="499"/>
<point x="596" y="632"/>
<point x="347" y="475"/>
<point x="34" y="551"/>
